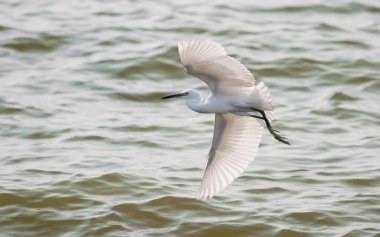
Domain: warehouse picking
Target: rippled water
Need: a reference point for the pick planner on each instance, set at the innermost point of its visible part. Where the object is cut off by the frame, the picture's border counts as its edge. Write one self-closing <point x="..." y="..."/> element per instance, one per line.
<point x="89" y="149"/>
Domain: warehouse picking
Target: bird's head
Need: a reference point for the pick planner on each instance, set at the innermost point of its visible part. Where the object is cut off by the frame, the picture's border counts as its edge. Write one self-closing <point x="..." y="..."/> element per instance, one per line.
<point x="186" y="93"/>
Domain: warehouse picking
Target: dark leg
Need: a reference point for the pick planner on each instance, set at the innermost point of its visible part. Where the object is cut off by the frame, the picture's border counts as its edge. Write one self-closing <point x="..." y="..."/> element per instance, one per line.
<point x="255" y="116"/>
<point x="274" y="132"/>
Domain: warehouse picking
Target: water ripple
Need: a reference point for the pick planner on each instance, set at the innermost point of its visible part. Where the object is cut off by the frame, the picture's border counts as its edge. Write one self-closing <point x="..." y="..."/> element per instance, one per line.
<point x="89" y="148"/>
<point x="43" y="43"/>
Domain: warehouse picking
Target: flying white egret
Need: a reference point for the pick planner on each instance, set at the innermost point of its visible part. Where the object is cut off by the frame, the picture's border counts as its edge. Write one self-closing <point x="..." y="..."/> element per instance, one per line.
<point x="241" y="110"/>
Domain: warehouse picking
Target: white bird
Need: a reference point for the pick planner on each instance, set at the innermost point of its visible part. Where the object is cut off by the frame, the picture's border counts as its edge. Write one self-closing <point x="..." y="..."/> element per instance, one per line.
<point x="241" y="110"/>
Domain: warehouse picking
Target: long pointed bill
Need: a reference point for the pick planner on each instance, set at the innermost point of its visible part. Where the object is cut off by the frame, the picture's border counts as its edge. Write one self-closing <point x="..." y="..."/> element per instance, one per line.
<point x="175" y="95"/>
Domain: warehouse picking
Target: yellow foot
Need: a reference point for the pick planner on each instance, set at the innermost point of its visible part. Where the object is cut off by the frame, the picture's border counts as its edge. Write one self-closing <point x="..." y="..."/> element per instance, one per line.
<point x="278" y="136"/>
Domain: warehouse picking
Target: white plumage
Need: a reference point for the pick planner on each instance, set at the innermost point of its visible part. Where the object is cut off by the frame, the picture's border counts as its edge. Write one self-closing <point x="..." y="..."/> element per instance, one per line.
<point x="234" y="146"/>
<point x="208" y="61"/>
<point x="241" y="111"/>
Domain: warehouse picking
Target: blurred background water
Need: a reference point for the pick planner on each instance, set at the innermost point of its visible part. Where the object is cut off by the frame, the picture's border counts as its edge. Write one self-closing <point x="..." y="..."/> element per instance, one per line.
<point x="89" y="149"/>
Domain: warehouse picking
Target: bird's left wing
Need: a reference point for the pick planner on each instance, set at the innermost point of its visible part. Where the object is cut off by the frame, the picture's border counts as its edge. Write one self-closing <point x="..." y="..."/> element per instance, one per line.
<point x="208" y="61"/>
<point x="234" y="146"/>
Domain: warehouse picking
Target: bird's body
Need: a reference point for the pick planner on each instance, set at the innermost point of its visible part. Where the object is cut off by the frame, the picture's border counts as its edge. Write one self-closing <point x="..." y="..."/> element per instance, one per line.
<point x="212" y="104"/>
<point x="222" y="103"/>
<point x="241" y="111"/>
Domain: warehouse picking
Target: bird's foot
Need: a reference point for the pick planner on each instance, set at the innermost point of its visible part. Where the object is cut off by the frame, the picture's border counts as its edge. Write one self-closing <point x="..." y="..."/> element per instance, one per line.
<point x="277" y="136"/>
<point x="274" y="132"/>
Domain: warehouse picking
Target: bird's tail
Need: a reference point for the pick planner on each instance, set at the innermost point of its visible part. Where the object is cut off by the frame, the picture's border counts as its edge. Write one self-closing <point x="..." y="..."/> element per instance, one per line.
<point x="264" y="101"/>
<point x="262" y="97"/>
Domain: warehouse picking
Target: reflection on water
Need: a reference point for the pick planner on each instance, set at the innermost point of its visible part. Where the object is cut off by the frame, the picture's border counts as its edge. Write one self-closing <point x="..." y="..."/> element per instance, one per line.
<point x="89" y="149"/>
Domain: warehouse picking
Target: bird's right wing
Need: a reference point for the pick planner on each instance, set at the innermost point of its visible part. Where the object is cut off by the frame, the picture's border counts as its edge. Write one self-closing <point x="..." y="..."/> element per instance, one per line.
<point x="208" y="61"/>
<point x="234" y="146"/>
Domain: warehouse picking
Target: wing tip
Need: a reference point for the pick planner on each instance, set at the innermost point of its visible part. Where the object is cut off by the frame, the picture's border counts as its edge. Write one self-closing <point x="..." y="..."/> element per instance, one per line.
<point x="204" y="196"/>
<point x="227" y="165"/>
<point x="199" y="49"/>
<point x="180" y="48"/>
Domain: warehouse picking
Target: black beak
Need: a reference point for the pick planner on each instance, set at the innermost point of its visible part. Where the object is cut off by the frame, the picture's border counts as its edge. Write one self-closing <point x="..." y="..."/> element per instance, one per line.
<point x="175" y="95"/>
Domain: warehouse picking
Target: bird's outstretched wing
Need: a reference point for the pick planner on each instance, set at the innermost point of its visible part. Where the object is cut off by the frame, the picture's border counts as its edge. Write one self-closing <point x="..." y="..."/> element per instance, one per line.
<point x="208" y="61"/>
<point x="234" y="146"/>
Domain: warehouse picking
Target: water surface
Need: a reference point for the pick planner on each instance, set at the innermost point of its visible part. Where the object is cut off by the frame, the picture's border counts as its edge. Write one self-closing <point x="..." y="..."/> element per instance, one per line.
<point x="89" y="149"/>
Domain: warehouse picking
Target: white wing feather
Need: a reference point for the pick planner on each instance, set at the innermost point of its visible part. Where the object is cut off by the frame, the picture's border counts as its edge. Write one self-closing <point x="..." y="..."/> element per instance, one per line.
<point x="234" y="146"/>
<point x="236" y="138"/>
<point x="208" y="61"/>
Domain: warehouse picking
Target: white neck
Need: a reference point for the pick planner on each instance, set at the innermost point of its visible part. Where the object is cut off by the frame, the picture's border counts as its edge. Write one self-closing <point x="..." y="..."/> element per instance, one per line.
<point x="195" y="102"/>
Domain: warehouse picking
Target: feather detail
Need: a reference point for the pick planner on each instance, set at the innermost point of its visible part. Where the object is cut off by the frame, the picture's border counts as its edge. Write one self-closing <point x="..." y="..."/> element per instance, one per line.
<point x="235" y="144"/>
<point x="208" y="61"/>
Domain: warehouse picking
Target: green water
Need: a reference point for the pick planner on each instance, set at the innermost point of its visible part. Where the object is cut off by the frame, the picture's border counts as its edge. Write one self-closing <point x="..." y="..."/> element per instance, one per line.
<point x="89" y="149"/>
